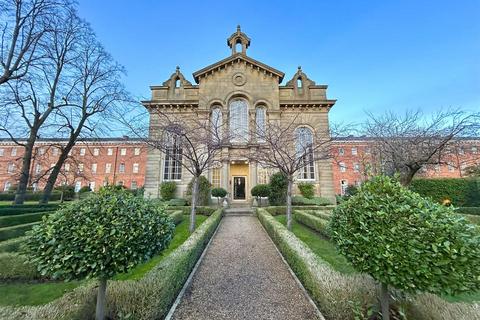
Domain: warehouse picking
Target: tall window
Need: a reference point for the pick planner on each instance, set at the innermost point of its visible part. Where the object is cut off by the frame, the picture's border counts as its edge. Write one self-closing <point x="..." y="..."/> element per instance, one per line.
<point x="239" y="120"/>
<point x="121" y="168"/>
<point x="263" y="175"/>
<point x="304" y="137"/>
<point x="216" y="178"/>
<point x="260" y="121"/>
<point x="217" y="123"/>
<point x="173" y="160"/>
<point x="108" y="167"/>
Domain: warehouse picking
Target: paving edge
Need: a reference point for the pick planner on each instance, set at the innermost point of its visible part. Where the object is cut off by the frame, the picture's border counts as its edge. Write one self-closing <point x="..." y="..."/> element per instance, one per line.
<point x="299" y="283"/>
<point x="190" y="277"/>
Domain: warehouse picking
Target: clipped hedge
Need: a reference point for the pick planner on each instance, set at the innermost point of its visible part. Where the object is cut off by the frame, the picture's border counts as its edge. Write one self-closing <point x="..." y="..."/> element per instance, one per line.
<point x="177" y="216"/>
<point x="14" y="266"/>
<point x="15" y="231"/>
<point x="14" y="210"/>
<point x="11" y="245"/>
<point x="8" y="221"/>
<point x="469" y="210"/>
<point x="204" y="211"/>
<point x="30" y="196"/>
<point x="332" y="291"/>
<point x="315" y="223"/>
<point x="320" y="214"/>
<point x="281" y="210"/>
<point x="147" y="298"/>
<point x="177" y="202"/>
<point x="462" y="192"/>
<point x="316" y="201"/>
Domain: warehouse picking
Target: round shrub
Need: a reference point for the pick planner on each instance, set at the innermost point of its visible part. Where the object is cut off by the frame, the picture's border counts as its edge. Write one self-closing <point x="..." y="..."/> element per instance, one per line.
<point x="406" y="241"/>
<point x="107" y="233"/>
<point x="307" y="189"/>
<point x="261" y="190"/>
<point x="167" y="190"/>
<point x="278" y="189"/>
<point x="203" y="191"/>
<point x="219" y="193"/>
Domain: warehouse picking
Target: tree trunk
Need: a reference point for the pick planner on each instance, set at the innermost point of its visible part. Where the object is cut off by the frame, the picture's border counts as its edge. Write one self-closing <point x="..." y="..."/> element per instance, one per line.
<point x="52" y="178"/>
<point x="102" y="289"/>
<point x="196" y="181"/>
<point x="289" y="203"/>
<point x="384" y="301"/>
<point x="25" y="171"/>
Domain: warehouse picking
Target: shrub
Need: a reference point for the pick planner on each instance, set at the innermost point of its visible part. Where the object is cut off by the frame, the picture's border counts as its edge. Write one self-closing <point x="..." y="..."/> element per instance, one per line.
<point x="167" y="190"/>
<point x="7" y="221"/>
<point x="219" y="193"/>
<point x="177" y="216"/>
<point x="315" y="223"/>
<point x="203" y="191"/>
<point x="68" y="191"/>
<point x="302" y="201"/>
<point x="261" y="190"/>
<point x="461" y="192"/>
<point x="107" y="233"/>
<point x="406" y="241"/>
<point x="177" y="202"/>
<point x="11" y="245"/>
<point x="14" y="266"/>
<point x="307" y="189"/>
<point x="278" y="189"/>
<point x="469" y="210"/>
<point x="15" y="231"/>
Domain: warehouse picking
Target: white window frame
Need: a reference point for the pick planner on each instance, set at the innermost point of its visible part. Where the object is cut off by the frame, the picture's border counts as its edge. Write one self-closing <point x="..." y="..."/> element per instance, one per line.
<point x="172" y="161"/>
<point x="260" y="123"/>
<point x="136" y="168"/>
<point x="108" y="167"/>
<point x="2" y="152"/>
<point x="136" y="151"/>
<point x="123" y="151"/>
<point x="13" y="152"/>
<point x="216" y="177"/>
<point x="96" y="151"/>
<point x="354" y="151"/>
<point x="216" y="119"/>
<point x="343" y="166"/>
<point x="82" y="151"/>
<point x="94" y="168"/>
<point x="110" y="152"/>
<point x="303" y="145"/>
<point x="121" y="167"/>
<point x="238" y="120"/>
<point x="341" y="151"/>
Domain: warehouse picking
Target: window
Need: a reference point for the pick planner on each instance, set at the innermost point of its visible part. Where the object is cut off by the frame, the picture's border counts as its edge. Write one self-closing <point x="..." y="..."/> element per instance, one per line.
<point x="341" y="151"/>
<point x="94" y="168"/>
<point x="108" y="167"/>
<point x="136" y="151"/>
<point x="474" y="149"/>
<point x="216" y="119"/>
<point x="67" y="167"/>
<point x="80" y="167"/>
<point x="38" y="168"/>
<point x="109" y="151"/>
<point x="263" y="175"/>
<point x="13" y="153"/>
<point x="11" y="168"/>
<point x="133" y="185"/>
<point x="461" y="151"/>
<point x="343" y="167"/>
<point x="135" y="168"/>
<point x="2" y="151"/>
<point x="41" y="151"/>
<point x="216" y="183"/>
<point x="78" y="186"/>
<point x="304" y="141"/>
<point x="173" y="160"/>
<point x="82" y="151"/>
<point x="343" y="187"/>
<point x="356" y="167"/>
<point x="239" y="121"/>
<point x="368" y="150"/>
<point x="121" y="168"/>
<point x="35" y="187"/>
<point x="70" y="152"/>
<point x="7" y="186"/>
<point x="96" y="152"/>
<point x="92" y="185"/>
<point x="354" y="151"/>
<point x="123" y="152"/>
<point x="55" y="151"/>
<point x="260" y="120"/>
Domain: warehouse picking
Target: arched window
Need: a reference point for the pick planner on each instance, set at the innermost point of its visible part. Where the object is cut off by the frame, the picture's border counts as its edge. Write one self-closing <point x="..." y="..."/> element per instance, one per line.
<point x="299" y="83"/>
<point x="177" y="83"/>
<point x="172" y="168"/>
<point x="260" y="123"/>
<point x="216" y="121"/>
<point x="239" y="120"/>
<point x="304" y="142"/>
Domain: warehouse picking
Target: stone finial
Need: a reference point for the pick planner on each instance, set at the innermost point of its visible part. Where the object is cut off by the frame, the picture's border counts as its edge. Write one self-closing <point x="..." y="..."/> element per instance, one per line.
<point x="238" y="28"/>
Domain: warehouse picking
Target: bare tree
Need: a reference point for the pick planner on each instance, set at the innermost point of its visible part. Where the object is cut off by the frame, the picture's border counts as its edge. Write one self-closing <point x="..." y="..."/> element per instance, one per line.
<point x="96" y="87"/>
<point x="291" y="147"/>
<point x="23" y="23"/>
<point x="404" y="144"/>
<point x="39" y="94"/>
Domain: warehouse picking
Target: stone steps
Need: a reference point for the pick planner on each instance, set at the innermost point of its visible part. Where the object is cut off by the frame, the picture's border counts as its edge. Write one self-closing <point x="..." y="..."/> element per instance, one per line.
<point x="239" y="211"/>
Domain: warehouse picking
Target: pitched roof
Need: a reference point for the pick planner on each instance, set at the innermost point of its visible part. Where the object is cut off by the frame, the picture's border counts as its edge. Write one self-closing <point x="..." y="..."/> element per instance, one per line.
<point x="234" y="58"/>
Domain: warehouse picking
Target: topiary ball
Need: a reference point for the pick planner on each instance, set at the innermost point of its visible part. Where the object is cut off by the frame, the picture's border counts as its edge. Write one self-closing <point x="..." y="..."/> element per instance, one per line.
<point x="107" y="233"/>
<point x="406" y="241"/>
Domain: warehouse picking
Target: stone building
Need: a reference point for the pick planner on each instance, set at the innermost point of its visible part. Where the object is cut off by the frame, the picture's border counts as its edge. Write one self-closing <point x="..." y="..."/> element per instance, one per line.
<point x="243" y="91"/>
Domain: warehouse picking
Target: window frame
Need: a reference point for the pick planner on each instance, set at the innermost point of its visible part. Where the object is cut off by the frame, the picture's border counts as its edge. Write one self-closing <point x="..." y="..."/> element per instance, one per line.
<point x="308" y="171"/>
<point x="238" y="121"/>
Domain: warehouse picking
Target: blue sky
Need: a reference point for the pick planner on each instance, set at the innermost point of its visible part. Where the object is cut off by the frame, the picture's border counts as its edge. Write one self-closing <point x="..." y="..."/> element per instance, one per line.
<point x="374" y="55"/>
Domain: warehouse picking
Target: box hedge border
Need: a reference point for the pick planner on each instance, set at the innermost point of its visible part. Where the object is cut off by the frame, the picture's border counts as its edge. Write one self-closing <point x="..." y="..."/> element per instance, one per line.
<point x="12" y="245"/>
<point x="462" y="192"/>
<point x="13" y="210"/>
<point x="311" y="221"/>
<point x="15" y="231"/>
<point x="9" y="221"/>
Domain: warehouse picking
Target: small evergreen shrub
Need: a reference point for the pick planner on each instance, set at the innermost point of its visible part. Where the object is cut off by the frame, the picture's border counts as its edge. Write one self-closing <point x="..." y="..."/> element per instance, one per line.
<point x="261" y="190"/>
<point x="278" y="189"/>
<point x="203" y="191"/>
<point x="167" y="190"/>
<point x="219" y="193"/>
<point x="306" y="189"/>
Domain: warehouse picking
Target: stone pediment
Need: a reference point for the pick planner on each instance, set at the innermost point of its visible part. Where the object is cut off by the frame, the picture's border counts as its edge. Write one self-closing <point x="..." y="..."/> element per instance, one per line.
<point x="237" y="58"/>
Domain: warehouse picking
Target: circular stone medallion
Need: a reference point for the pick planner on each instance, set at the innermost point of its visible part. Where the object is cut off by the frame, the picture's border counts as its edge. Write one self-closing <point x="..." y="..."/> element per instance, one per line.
<point x="239" y="79"/>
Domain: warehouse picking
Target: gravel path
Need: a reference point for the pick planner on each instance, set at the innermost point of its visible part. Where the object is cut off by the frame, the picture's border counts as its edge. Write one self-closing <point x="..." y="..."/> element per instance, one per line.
<point x="242" y="276"/>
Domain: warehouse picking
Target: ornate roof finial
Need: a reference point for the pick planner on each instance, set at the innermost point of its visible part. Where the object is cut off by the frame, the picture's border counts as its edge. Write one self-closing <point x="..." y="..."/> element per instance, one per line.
<point x="299" y="68"/>
<point x="238" y="38"/>
<point x="238" y="28"/>
<point x="177" y="69"/>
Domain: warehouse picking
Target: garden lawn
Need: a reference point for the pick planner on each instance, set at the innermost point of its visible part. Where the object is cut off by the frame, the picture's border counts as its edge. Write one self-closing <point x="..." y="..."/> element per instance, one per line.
<point x="319" y="245"/>
<point x="180" y="235"/>
<point x="30" y="294"/>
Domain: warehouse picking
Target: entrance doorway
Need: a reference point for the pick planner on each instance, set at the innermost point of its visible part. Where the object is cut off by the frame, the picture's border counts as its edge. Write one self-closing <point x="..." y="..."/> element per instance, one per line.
<point x="239" y="188"/>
